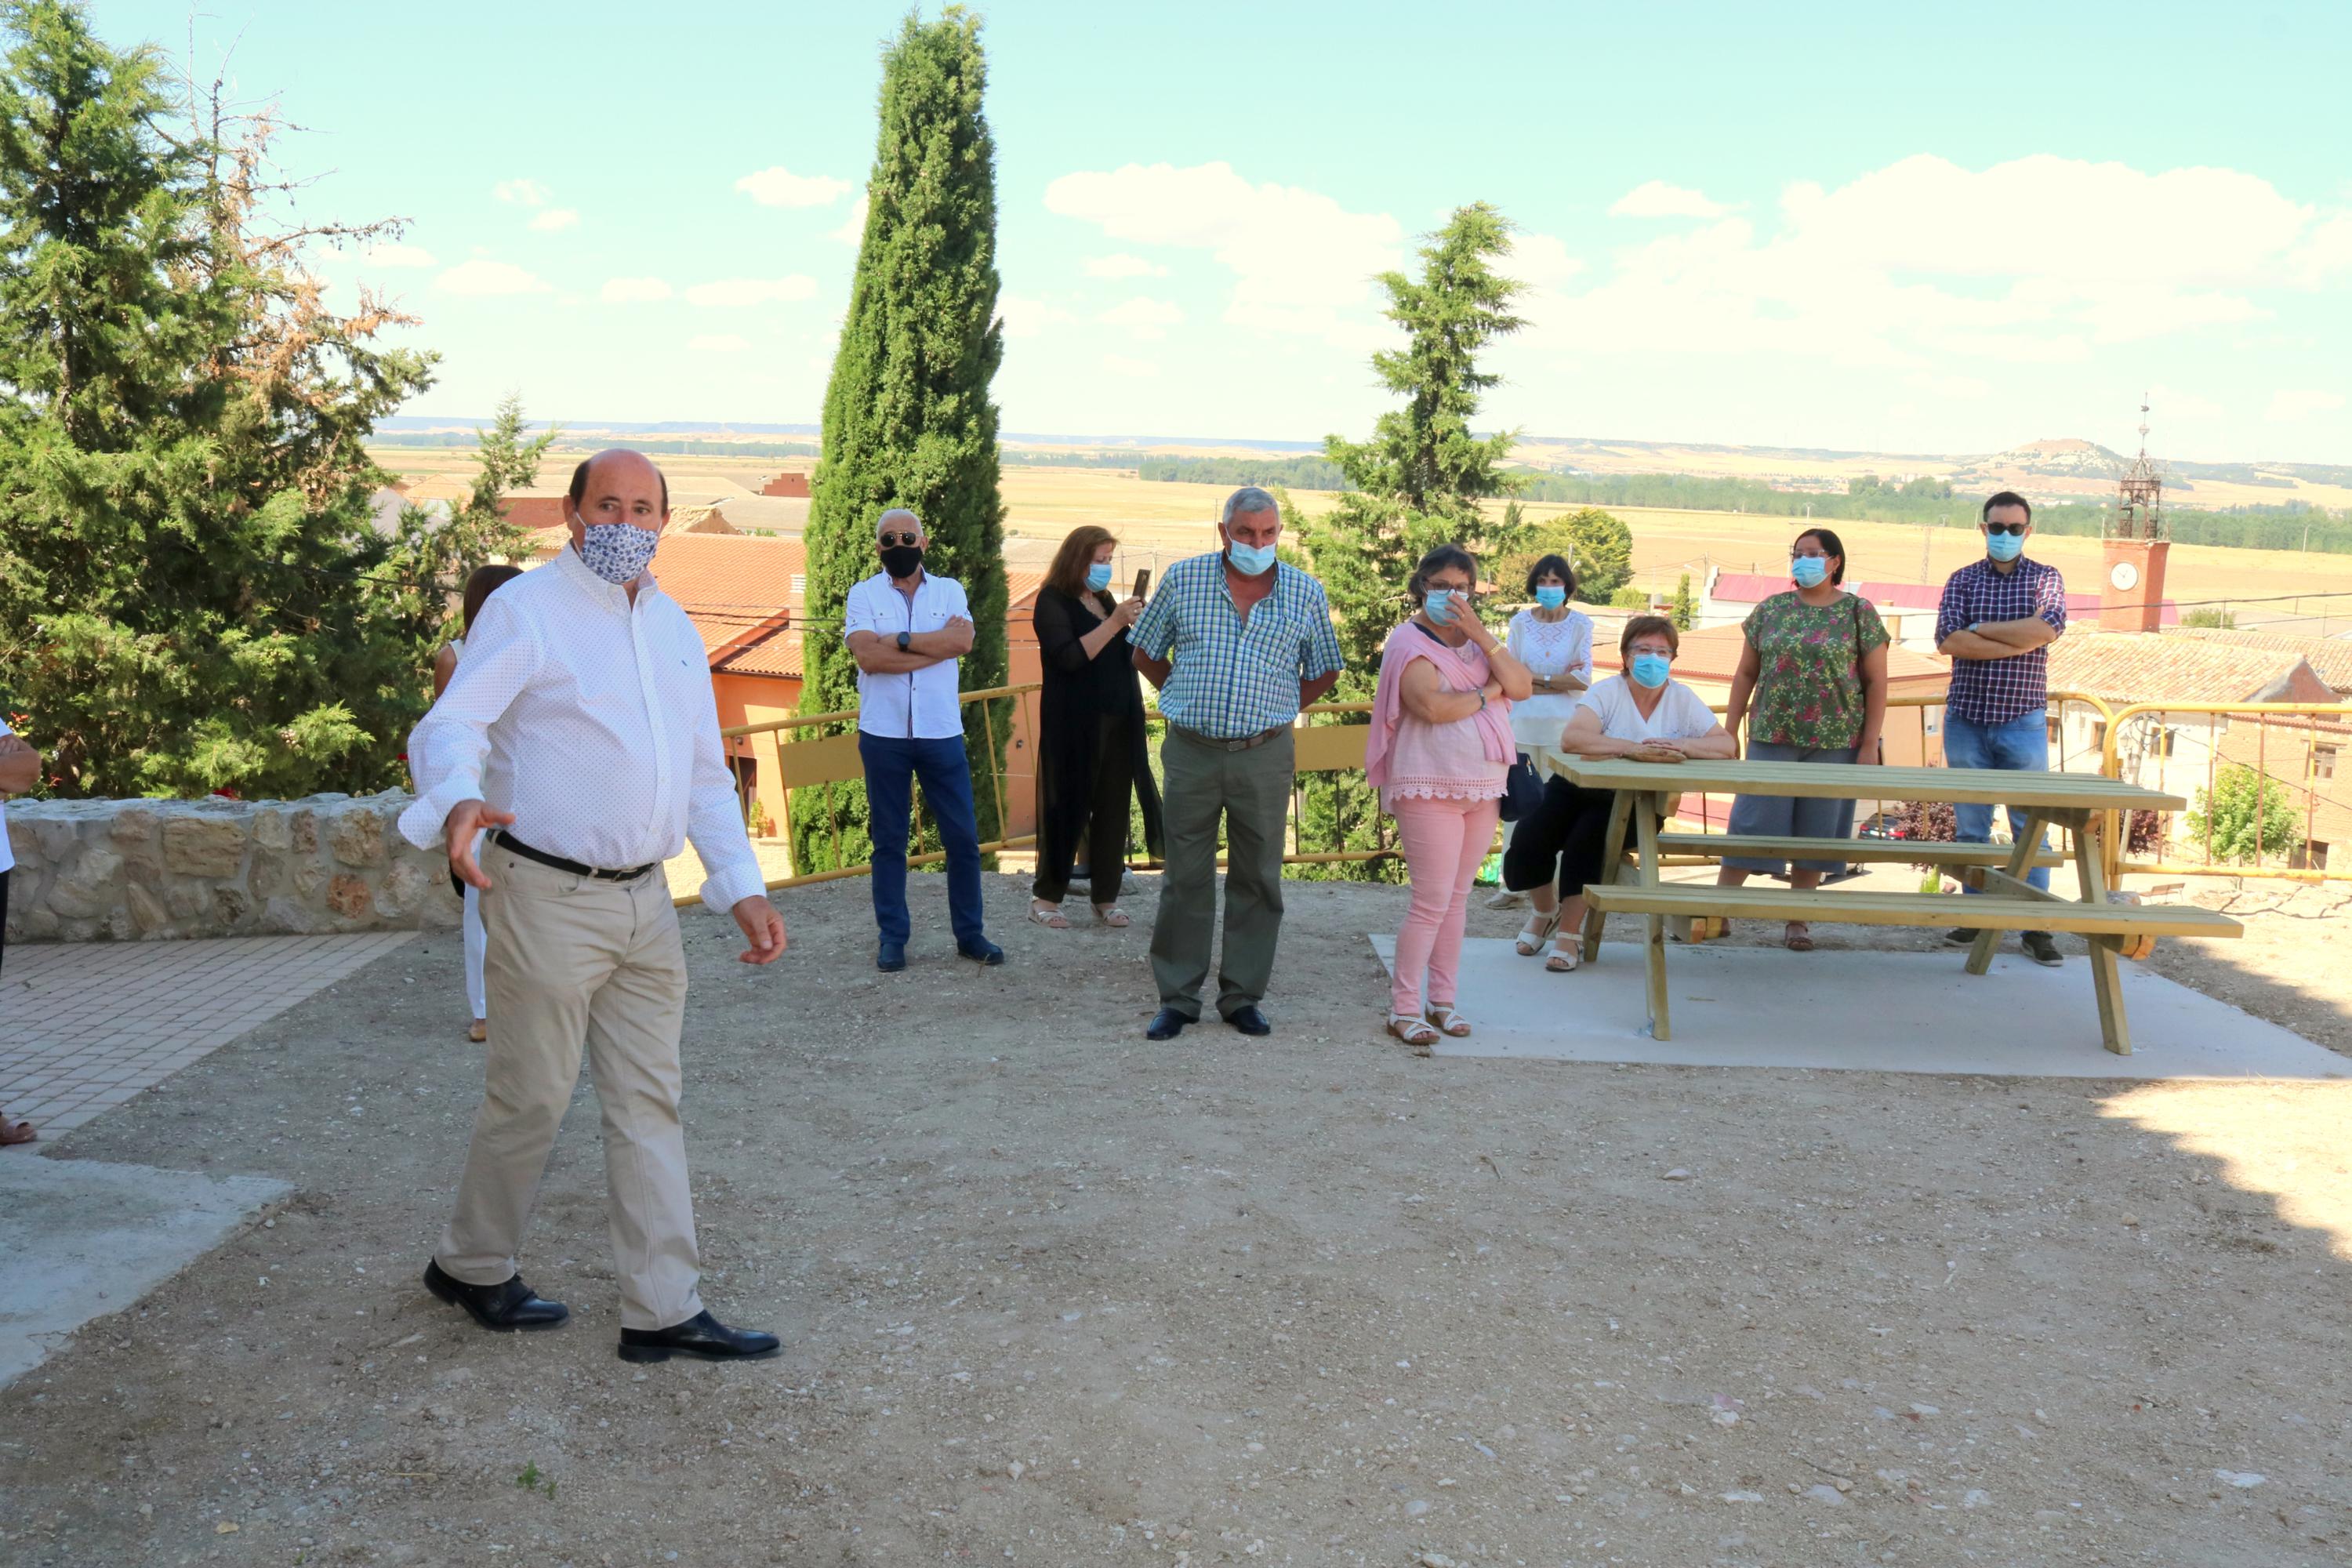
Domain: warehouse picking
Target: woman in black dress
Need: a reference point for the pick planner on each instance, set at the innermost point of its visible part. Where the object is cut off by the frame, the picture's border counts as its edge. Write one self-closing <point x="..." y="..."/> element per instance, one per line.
<point x="1092" y="757"/>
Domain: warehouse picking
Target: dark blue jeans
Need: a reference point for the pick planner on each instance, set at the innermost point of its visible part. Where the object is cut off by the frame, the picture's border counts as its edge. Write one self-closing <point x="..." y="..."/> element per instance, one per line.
<point x="891" y="768"/>
<point x="2020" y="745"/>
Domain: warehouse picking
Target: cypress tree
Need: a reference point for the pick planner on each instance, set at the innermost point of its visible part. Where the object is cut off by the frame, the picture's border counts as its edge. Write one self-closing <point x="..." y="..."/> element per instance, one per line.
<point x="907" y="417"/>
<point x="192" y="595"/>
<point x="1419" y="482"/>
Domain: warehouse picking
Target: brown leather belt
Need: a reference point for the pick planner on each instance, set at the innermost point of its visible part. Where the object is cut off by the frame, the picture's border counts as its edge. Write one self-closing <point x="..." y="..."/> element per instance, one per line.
<point x="1247" y="742"/>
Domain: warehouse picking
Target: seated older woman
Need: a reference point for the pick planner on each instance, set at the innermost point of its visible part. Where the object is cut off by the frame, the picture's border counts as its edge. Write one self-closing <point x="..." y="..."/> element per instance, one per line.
<point x="1643" y="713"/>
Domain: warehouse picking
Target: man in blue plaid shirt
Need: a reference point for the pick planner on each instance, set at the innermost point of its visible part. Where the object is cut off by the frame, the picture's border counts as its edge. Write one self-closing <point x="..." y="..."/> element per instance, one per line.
<point x="1998" y="617"/>
<point x="1237" y="643"/>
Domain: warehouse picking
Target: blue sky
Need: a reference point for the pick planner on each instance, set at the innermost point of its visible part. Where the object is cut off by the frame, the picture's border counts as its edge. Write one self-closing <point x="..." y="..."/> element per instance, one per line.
<point x="1911" y="229"/>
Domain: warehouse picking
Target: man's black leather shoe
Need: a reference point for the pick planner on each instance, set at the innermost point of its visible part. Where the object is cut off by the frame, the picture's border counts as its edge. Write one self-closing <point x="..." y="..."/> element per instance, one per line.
<point x="513" y="1305"/>
<point x="1249" y="1020"/>
<point x="700" y="1335"/>
<point x="1167" y="1024"/>
<point x="890" y="957"/>
<point x="981" y="950"/>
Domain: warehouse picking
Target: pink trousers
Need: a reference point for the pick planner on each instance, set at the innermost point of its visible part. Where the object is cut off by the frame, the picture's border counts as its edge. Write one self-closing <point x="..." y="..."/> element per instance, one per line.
<point x="1444" y="842"/>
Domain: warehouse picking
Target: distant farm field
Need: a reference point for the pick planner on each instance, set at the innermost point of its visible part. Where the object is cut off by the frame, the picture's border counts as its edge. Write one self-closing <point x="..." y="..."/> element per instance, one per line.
<point x="1159" y="521"/>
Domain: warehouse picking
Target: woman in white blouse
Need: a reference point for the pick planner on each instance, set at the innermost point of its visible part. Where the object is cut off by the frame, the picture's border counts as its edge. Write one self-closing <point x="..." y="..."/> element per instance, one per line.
<point x="1555" y="643"/>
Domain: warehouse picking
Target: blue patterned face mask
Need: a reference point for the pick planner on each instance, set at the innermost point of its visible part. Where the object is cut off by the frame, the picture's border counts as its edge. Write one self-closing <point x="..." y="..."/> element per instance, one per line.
<point x="1098" y="575"/>
<point x="617" y="552"/>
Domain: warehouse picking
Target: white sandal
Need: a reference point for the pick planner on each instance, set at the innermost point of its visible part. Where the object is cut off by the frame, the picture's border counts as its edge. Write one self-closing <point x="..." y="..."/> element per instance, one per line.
<point x="1535" y="934"/>
<point x="1447" y="1022"/>
<point x="1052" y="918"/>
<point x="1414" y="1032"/>
<point x="1111" y="915"/>
<point x="1565" y="959"/>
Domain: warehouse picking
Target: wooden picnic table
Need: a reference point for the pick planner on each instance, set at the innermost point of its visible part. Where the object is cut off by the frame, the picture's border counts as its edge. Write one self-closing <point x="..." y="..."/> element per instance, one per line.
<point x="2008" y="902"/>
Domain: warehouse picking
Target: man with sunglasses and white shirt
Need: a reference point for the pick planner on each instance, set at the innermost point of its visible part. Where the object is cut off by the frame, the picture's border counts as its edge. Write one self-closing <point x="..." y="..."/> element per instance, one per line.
<point x="907" y="629"/>
<point x="1997" y="622"/>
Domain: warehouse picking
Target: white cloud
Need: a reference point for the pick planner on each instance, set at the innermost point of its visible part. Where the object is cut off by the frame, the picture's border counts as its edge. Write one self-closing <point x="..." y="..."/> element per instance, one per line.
<point x="716" y="343"/>
<point x="1121" y="264"/>
<point x="2303" y="404"/>
<point x="2326" y="252"/>
<point x="483" y="279"/>
<point x="530" y="193"/>
<point x="555" y="220"/>
<point x="392" y="254"/>
<point x="1923" y="261"/>
<point x="1025" y="317"/>
<point x="1302" y="262"/>
<point x="2171" y="405"/>
<point x="1541" y="261"/>
<point x="633" y="291"/>
<point x="1135" y="369"/>
<point x="738" y="292"/>
<point x="1655" y="198"/>
<point x="779" y="187"/>
<point x="1143" y="316"/>
<point x="853" y="230"/>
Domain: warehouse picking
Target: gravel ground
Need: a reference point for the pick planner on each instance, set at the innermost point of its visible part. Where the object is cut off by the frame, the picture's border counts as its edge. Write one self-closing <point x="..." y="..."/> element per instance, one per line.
<point x="1051" y="1295"/>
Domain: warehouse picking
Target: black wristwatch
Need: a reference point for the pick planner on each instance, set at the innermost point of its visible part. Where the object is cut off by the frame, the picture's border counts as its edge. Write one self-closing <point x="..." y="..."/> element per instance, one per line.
<point x="905" y="640"/>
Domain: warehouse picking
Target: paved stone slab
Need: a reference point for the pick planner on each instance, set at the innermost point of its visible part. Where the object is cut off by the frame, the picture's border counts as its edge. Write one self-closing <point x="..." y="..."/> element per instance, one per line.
<point x="86" y="1025"/>
<point x="83" y="1239"/>
<point x="1878" y="1012"/>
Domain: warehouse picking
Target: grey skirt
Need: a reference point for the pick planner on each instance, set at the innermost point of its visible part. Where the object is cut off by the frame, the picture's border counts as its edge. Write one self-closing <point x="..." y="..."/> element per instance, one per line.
<point x="1788" y="815"/>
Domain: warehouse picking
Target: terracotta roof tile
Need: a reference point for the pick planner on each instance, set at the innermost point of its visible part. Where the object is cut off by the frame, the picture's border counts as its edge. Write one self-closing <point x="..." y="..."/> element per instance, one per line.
<point x="2166" y="667"/>
<point x="2330" y="658"/>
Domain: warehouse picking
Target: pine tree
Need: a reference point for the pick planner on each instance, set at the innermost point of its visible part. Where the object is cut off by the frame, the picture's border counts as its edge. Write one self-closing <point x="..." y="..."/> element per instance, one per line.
<point x="1417" y="483"/>
<point x="907" y="417"/>
<point x="1685" y="611"/>
<point x="191" y="590"/>
<point x="506" y="459"/>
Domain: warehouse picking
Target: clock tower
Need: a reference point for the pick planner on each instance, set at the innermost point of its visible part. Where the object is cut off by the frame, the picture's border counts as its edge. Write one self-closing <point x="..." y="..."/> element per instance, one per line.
<point x="2131" y="594"/>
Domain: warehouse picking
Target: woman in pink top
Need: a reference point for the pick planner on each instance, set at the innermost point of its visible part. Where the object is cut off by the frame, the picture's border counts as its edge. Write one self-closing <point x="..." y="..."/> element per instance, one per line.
<point x="1440" y="745"/>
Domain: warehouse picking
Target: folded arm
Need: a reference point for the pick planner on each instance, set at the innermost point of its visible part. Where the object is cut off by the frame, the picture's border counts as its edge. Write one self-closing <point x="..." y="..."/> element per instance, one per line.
<point x="877" y="653"/>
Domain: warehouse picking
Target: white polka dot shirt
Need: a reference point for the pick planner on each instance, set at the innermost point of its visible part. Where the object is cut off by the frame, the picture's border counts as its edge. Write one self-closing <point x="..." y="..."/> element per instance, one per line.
<point x="592" y="721"/>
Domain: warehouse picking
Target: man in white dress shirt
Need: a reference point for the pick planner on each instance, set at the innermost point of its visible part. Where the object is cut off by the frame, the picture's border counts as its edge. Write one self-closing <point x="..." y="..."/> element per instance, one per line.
<point x="581" y="730"/>
<point x="906" y="629"/>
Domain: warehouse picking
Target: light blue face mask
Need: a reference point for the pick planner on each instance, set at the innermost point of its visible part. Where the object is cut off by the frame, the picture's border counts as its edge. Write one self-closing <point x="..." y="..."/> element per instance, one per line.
<point x="1250" y="560"/>
<point x="617" y="552"/>
<point x="1098" y="575"/>
<point x="1809" y="571"/>
<point x="1439" y="603"/>
<point x="2004" y="546"/>
<point x="1550" y="595"/>
<point x="1650" y="671"/>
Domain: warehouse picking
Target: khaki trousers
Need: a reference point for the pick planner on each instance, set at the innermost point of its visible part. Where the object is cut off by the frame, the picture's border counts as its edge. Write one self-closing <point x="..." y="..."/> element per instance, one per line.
<point x="572" y="959"/>
<point x="1250" y="792"/>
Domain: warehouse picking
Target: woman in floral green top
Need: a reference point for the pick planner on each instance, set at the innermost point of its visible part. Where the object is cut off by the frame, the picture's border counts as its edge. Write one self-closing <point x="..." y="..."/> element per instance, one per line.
<point x="1811" y="685"/>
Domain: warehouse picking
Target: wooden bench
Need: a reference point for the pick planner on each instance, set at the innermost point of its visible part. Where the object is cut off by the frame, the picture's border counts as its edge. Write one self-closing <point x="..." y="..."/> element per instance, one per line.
<point x="1855" y="851"/>
<point x="2081" y="803"/>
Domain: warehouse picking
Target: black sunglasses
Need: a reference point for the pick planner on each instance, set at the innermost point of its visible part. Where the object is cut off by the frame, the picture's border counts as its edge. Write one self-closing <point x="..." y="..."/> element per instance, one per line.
<point x="2011" y="528"/>
<point x="890" y="539"/>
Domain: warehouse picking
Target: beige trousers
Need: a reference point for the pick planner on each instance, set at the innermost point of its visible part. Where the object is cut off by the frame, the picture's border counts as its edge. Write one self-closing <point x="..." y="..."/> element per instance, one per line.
<point x="572" y="958"/>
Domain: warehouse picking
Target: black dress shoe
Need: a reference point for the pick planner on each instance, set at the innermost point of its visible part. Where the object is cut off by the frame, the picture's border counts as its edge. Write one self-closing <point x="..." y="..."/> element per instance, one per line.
<point x="980" y="950"/>
<point x="890" y="957"/>
<point x="513" y="1305"/>
<point x="1249" y="1020"/>
<point x="1167" y="1024"/>
<point x="700" y="1335"/>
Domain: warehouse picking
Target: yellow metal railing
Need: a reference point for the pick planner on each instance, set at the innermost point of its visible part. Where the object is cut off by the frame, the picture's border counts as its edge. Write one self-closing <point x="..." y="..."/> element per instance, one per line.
<point x="1339" y="748"/>
<point x="2151" y="717"/>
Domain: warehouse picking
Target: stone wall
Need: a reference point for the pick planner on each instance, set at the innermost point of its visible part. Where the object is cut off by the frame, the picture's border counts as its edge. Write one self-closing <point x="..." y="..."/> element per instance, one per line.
<point x="132" y="870"/>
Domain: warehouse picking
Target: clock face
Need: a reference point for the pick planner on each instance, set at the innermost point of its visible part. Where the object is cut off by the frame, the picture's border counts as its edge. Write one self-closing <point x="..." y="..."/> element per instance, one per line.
<point x="2125" y="576"/>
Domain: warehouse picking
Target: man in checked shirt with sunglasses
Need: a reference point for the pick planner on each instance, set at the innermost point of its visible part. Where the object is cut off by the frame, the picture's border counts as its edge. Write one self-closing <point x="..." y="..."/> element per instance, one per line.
<point x="1998" y="617"/>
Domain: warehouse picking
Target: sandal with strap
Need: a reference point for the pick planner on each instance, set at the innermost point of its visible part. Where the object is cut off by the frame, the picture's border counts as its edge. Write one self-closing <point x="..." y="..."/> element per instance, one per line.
<point x="1050" y="916"/>
<point x="1414" y="1032"/>
<point x="1564" y="959"/>
<point x="1111" y="915"/>
<point x="1448" y="1022"/>
<point x="1797" y="937"/>
<point x="1535" y="934"/>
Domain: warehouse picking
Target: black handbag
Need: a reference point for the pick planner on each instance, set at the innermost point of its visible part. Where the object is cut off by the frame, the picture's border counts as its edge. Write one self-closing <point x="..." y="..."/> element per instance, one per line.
<point x="1523" y="792"/>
